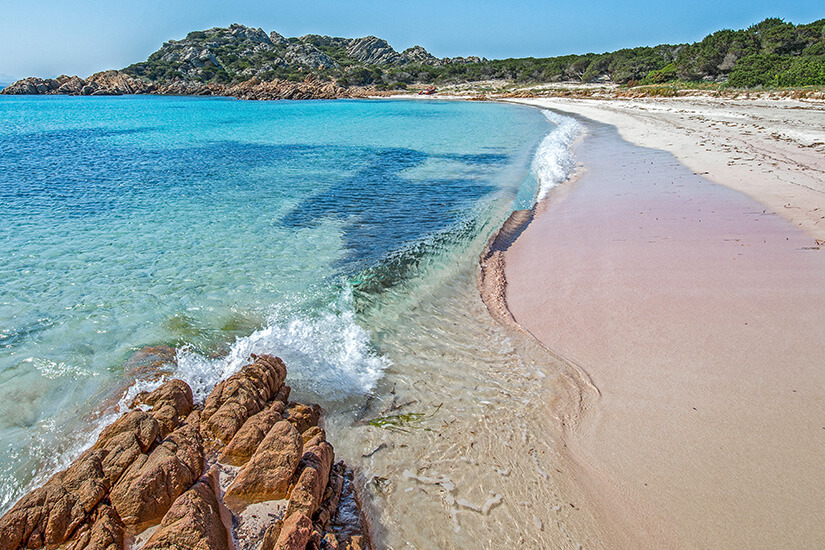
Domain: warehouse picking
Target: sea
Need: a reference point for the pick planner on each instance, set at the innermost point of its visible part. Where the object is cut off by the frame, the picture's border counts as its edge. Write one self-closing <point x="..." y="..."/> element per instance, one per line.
<point x="324" y="232"/>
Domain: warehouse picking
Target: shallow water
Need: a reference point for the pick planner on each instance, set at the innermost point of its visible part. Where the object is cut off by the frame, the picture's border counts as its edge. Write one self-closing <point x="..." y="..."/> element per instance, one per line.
<point x="218" y="226"/>
<point x="342" y="236"/>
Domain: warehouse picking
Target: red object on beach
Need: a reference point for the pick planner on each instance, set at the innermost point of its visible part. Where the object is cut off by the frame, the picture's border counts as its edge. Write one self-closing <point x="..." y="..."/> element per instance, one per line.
<point x="429" y="91"/>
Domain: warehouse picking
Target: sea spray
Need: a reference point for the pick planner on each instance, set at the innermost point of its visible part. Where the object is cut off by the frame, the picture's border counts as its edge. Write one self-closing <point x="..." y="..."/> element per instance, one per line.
<point x="554" y="161"/>
<point x="328" y="353"/>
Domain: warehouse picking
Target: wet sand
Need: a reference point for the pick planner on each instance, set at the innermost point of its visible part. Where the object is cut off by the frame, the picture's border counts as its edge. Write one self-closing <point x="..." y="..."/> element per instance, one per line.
<point x="699" y="314"/>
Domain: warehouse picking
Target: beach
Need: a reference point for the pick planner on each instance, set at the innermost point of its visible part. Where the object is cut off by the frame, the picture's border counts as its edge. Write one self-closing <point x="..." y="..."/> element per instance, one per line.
<point x="642" y="368"/>
<point x="680" y="270"/>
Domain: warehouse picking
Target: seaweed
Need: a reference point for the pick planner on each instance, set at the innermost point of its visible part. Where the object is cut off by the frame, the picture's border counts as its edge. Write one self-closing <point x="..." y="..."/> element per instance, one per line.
<point x="403" y="423"/>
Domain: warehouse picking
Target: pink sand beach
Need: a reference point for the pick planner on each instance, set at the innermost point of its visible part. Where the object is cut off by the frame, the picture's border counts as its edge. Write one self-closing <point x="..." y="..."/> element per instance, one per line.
<point x="686" y="280"/>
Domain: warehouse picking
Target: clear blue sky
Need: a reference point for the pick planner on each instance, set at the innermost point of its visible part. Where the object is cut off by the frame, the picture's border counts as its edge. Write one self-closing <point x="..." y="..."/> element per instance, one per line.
<point x="49" y="37"/>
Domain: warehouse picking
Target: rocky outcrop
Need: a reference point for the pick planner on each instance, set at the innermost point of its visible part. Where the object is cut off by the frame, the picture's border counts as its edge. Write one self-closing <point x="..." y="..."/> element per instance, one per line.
<point x="103" y="83"/>
<point x="246" y="63"/>
<point x="246" y="440"/>
<point x="295" y="533"/>
<point x="240" y="396"/>
<point x="417" y="54"/>
<point x="116" y="83"/>
<point x="277" y="89"/>
<point x="372" y="50"/>
<point x="266" y="476"/>
<point x="151" y="484"/>
<point x="103" y="530"/>
<point x="149" y="468"/>
<point x="32" y="86"/>
<point x="48" y="516"/>
<point x="194" y="521"/>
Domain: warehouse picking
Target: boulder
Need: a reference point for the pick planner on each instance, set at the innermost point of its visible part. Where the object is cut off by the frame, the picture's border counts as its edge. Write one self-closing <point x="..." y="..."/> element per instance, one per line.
<point x="104" y="531"/>
<point x="243" y="445"/>
<point x="309" y="490"/>
<point x="313" y="436"/>
<point x="303" y="416"/>
<point x="152" y="483"/>
<point x="193" y="521"/>
<point x="170" y="403"/>
<point x="240" y="396"/>
<point x="139" y="424"/>
<point x="266" y="476"/>
<point x="295" y="533"/>
<point x="48" y="516"/>
<point x="124" y="441"/>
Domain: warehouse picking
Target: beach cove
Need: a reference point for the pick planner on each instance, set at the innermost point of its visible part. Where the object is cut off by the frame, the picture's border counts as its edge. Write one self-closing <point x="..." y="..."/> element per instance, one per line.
<point x="172" y="221"/>
<point x="614" y="398"/>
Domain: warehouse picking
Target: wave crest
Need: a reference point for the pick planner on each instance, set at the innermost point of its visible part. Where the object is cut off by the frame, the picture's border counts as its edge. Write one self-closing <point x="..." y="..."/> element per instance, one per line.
<point x="554" y="161"/>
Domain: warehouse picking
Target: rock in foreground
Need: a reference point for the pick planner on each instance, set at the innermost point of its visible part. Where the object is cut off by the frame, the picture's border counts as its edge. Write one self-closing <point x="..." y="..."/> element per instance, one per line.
<point x="161" y="477"/>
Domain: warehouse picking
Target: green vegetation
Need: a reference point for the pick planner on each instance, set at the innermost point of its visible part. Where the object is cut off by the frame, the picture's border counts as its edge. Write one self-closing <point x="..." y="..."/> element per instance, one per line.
<point x="772" y="53"/>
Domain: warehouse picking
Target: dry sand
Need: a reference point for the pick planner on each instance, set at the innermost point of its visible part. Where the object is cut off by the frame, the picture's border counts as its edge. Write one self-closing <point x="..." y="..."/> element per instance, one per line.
<point x="697" y="312"/>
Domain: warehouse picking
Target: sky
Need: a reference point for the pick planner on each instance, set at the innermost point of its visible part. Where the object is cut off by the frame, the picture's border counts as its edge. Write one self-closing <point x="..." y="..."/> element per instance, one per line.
<point x="50" y="37"/>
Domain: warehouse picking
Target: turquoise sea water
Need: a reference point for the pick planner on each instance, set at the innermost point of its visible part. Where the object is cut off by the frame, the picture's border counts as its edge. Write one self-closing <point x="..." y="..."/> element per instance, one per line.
<point x="220" y="226"/>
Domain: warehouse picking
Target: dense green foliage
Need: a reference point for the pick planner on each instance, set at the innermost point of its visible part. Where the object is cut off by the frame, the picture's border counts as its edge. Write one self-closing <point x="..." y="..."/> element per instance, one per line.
<point x="770" y="53"/>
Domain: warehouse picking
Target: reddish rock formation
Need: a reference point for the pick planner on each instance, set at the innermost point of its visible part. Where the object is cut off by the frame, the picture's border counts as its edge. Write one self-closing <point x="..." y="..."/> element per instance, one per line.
<point x="103" y="83"/>
<point x="303" y="416"/>
<point x="242" y="446"/>
<point x="124" y="441"/>
<point x="170" y="403"/>
<point x="103" y="531"/>
<point x="310" y="88"/>
<point x="332" y="496"/>
<point x="149" y="486"/>
<point x="119" y="83"/>
<point x="147" y="468"/>
<point x="193" y="521"/>
<point x="267" y="474"/>
<point x="295" y="533"/>
<point x="49" y="515"/>
<point x="240" y="396"/>
<point x="308" y="491"/>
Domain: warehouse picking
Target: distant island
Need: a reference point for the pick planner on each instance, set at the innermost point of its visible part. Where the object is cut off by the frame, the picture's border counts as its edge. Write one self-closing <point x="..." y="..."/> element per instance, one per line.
<point x="248" y="63"/>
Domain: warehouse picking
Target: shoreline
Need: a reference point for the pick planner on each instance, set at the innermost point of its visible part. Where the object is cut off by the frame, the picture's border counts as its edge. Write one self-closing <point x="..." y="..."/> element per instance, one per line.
<point x="770" y="150"/>
<point x="638" y="321"/>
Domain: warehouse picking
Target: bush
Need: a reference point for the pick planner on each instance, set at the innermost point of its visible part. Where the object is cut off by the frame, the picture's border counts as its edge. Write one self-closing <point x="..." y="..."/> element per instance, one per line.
<point x="758" y="70"/>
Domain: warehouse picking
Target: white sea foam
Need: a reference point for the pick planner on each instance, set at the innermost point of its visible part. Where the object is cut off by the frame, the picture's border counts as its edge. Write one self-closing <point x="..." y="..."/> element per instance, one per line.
<point x="326" y="353"/>
<point x="554" y="161"/>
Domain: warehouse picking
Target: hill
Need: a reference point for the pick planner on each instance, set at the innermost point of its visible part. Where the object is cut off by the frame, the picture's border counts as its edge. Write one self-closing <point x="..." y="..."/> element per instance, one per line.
<point x="773" y="53"/>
